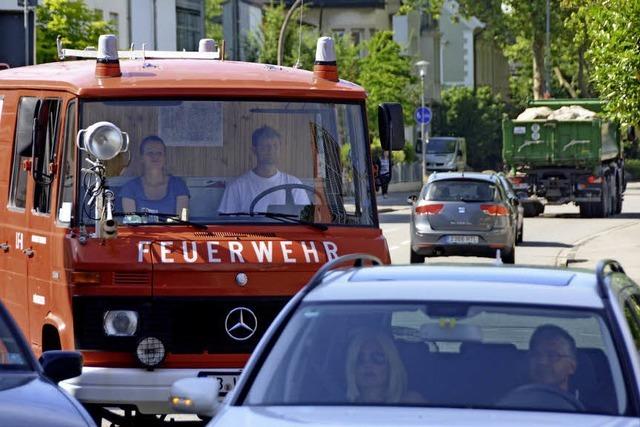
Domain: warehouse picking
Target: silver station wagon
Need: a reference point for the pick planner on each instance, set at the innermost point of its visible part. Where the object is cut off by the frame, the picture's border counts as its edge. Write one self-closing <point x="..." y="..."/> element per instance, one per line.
<point x="463" y="213"/>
<point x="441" y="345"/>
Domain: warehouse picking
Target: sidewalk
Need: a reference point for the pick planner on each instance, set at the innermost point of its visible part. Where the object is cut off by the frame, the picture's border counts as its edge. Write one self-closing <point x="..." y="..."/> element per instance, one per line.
<point x="395" y="201"/>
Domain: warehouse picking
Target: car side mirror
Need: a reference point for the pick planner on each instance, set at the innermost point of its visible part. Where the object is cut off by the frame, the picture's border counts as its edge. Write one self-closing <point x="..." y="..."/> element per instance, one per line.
<point x="412" y="199"/>
<point x="61" y="365"/>
<point x="515" y="201"/>
<point x="195" y="396"/>
<point x="460" y="153"/>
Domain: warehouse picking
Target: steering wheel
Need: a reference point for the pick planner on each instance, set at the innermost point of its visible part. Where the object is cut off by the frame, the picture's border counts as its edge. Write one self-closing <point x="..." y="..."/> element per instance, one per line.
<point x="541" y="395"/>
<point x="288" y="188"/>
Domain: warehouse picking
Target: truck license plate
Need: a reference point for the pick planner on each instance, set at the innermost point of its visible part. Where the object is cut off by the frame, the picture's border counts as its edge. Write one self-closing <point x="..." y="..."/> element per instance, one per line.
<point x="226" y="380"/>
<point x="463" y="240"/>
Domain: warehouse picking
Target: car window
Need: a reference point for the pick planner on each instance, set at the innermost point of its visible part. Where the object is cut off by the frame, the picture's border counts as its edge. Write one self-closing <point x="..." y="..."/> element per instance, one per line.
<point x="443" y="354"/>
<point x="12" y="354"/>
<point x="461" y="190"/>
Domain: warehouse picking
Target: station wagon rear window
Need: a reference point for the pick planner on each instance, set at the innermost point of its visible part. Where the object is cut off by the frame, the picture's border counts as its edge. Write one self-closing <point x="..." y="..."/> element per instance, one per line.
<point x="209" y="145"/>
<point x="461" y="190"/>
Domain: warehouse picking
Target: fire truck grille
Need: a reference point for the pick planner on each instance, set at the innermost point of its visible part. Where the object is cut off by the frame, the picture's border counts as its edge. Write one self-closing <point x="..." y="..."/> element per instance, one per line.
<point x="233" y="235"/>
<point x="136" y="278"/>
<point x="186" y="325"/>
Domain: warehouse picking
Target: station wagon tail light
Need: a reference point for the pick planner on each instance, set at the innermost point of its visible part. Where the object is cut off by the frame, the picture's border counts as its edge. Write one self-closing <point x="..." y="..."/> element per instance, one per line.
<point x="494" y="210"/>
<point x="516" y="179"/>
<point x="430" y="209"/>
<point x="594" y="179"/>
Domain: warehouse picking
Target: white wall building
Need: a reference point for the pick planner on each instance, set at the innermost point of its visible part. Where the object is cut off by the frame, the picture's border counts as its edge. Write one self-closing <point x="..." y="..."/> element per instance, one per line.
<point x="159" y="24"/>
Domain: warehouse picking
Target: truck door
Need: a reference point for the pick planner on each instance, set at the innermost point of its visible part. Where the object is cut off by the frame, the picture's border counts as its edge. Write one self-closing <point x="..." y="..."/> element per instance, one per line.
<point x="15" y="231"/>
<point x="40" y="244"/>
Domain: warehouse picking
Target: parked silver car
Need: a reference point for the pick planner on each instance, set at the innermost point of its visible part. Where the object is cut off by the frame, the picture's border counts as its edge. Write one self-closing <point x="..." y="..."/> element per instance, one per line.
<point x="463" y="213"/>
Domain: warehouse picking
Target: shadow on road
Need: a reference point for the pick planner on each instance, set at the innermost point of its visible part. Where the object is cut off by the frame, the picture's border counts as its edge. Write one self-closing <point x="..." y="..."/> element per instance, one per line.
<point x="394" y="219"/>
<point x="627" y="215"/>
<point x="536" y="244"/>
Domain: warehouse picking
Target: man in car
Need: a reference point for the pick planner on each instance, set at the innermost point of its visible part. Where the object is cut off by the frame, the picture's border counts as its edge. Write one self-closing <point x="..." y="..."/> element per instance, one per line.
<point x="552" y="357"/>
<point x="238" y="196"/>
<point x="551" y="364"/>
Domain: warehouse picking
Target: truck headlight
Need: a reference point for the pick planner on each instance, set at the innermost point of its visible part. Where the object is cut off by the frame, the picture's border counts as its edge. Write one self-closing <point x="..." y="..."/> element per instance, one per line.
<point x="150" y="352"/>
<point x="103" y="140"/>
<point x="120" y="323"/>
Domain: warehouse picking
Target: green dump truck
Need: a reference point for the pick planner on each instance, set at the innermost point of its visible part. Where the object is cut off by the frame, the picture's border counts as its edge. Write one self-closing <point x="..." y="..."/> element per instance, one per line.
<point x="562" y="151"/>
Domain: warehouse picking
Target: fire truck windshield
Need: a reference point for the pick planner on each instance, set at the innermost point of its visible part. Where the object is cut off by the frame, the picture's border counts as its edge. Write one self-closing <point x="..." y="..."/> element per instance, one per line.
<point x="234" y="161"/>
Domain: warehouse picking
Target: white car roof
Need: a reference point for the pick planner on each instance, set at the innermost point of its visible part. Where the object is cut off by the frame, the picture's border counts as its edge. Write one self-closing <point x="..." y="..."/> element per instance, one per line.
<point x="486" y="284"/>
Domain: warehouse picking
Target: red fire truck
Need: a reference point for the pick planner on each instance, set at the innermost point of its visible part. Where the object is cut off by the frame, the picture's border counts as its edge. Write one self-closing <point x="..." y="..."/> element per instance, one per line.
<point x="157" y="209"/>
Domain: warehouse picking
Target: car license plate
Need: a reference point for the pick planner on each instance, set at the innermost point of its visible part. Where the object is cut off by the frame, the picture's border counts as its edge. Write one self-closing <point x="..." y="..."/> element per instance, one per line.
<point x="463" y="240"/>
<point x="226" y="380"/>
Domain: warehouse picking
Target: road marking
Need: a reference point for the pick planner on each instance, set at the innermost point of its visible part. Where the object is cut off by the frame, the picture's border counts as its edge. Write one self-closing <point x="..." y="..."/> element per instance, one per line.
<point x="393" y="248"/>
<point x="390" y="230"/>
<point x="406" y="242"/>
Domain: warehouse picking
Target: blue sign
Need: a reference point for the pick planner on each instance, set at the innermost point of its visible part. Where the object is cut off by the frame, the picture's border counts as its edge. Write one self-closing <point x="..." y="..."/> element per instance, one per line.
<point x="423" y="115"/>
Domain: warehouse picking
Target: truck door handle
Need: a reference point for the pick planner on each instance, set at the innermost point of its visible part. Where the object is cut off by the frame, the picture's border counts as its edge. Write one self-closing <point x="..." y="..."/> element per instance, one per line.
<point x="28" y="252"/>
<point x="4" y="247"/>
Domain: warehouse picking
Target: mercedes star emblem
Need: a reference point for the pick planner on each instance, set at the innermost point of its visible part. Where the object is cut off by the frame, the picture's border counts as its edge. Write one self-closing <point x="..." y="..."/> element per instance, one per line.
<point x="241" y="323"/>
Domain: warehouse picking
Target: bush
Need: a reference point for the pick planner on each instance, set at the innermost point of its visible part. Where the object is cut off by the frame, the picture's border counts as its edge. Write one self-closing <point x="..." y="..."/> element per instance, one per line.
<point x="632" y="166"/>
<point x="476" y="115"/>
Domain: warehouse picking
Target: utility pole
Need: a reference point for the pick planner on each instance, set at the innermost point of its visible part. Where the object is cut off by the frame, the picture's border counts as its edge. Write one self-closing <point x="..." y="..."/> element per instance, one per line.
<point x="25" y="10"/>
<point x="424" y="138"/>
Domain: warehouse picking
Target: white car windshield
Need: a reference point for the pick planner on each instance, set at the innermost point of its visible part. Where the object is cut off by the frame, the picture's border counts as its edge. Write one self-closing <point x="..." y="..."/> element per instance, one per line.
<point x="443" y="355"/>
<point x="226" y="161"/>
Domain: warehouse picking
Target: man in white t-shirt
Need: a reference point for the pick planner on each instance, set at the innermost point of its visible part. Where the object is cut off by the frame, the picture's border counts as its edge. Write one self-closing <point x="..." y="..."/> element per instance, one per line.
<point x="237" y="197"/>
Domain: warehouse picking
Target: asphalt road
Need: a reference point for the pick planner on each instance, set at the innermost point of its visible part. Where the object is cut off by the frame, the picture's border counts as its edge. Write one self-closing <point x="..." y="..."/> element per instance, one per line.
<point x="559" y="237"/>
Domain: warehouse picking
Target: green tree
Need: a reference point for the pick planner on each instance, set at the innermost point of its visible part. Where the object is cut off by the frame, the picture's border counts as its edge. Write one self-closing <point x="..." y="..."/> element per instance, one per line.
<point x="73" y="21"/>
<point x="386" y="76"/>
<point x="213" y="20"/>
<point x="614" y="52"/>
<point x="347" y="57"/>
<point x="476" y="115"/>
<point x="299" y="43"/>
<point x="519" y="27"/>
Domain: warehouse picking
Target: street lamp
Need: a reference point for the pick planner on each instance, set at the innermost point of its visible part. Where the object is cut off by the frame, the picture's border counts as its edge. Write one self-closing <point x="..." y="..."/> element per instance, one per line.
<point x="422" y="67"/>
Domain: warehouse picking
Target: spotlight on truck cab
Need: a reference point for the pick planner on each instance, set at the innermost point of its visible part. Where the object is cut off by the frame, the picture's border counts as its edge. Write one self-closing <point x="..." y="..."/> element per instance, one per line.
<point x="103" y="140"/>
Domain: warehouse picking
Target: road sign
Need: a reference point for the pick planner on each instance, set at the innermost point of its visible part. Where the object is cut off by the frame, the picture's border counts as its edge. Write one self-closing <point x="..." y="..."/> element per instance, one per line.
<point x="30" y="3"/>
<point x="423" y="115"/>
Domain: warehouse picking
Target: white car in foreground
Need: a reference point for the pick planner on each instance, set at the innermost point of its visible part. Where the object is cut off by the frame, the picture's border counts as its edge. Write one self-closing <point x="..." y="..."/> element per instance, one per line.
<point x="440" y="345"/>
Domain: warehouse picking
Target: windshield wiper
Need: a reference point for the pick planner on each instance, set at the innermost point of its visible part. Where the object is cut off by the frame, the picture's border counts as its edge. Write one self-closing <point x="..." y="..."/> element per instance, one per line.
<point x="170" y="218"/>
<point x="290" y="218"/>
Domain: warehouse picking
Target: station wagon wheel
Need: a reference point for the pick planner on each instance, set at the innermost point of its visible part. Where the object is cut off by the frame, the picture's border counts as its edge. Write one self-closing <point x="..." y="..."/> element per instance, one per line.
<point x="416" y="258"/>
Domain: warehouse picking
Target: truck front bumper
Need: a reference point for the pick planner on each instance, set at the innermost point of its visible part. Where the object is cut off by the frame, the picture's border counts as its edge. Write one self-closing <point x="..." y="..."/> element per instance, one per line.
<point x="147" y="390"/>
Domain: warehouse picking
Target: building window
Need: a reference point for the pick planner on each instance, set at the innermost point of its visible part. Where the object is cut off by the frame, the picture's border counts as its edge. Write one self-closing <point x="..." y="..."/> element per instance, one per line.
<point x="115" y="20"/>
<point x="189" y="27"/>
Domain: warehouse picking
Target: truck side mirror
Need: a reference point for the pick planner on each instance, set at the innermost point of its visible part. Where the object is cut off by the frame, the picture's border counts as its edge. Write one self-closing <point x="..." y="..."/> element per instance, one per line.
<point x="391" y="126"/>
